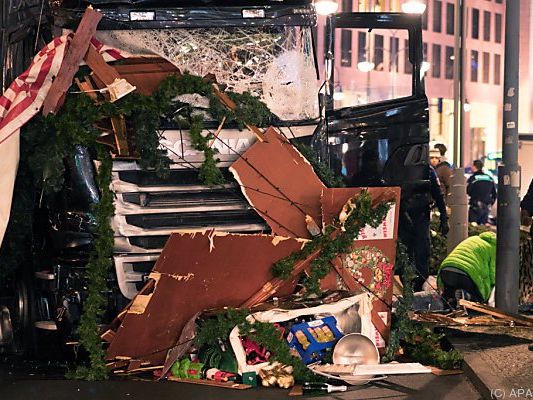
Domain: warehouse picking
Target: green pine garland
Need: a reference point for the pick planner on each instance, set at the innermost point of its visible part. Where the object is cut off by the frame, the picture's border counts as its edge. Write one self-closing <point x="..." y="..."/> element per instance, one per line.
<point x="419" y="342"/>
<point x="363" y="214"/>
<point x="322" y="169"/>
<point x="100" y="262"/>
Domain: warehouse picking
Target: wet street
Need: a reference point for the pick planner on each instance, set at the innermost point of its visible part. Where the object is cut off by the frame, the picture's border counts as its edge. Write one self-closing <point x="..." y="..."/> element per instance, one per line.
<point x="29" y="381"/>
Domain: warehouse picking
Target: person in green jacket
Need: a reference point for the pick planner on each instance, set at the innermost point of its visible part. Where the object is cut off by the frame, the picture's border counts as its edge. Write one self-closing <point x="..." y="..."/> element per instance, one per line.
<point x="471" y="267"/>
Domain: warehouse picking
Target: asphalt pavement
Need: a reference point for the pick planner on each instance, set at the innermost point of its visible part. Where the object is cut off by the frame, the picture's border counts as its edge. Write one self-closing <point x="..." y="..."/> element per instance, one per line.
<point x="422" y="386"/>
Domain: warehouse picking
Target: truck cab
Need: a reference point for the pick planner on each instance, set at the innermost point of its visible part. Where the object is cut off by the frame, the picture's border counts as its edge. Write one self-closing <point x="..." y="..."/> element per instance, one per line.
<point x="269" y="49"/>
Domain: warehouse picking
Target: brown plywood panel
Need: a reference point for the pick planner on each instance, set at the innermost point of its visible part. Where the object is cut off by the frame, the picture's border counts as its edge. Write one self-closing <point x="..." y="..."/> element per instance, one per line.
<point x="280" y="184"/>
<point x="145" y="73"/>
<point x="196" y="271"/>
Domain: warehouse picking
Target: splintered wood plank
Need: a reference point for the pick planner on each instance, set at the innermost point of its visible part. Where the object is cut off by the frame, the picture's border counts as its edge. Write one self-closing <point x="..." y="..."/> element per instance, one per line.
<point x="105" y="72"/>
<point x="119" y="129"/>
<point x="73" y="56"/>
<point x="518" y="319"/>
<point x="280" y="184"/>
<point x="227" y="385"/>
<point x="87" y="87"/>
<point x="226" y="100"/>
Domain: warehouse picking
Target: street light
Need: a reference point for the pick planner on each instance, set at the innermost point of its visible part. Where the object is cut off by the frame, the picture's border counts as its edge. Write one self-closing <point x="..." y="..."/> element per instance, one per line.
<point x="414" y="7"/>
<point x="326" y="7"/>
<point x="365" y="66"/>
<point x="338" y="94"/>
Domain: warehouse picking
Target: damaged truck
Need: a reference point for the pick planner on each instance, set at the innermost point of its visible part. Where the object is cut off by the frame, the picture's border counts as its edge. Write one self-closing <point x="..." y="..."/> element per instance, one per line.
<point x="374" y="134"/>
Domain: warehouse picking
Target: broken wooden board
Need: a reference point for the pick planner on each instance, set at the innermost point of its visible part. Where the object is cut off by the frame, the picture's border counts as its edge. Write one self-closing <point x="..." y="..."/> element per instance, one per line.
<point x="280" y="184"/>
<point x="196" y="271"/>
<point x="116" y="86"/>
<point x="230" y="104"/>
<point x="73" y="56"/>
<point x="146" y="73"/>
<point x="227" y="385"/>
<point x="516" y="318"/>
<point x="105" y="72"/>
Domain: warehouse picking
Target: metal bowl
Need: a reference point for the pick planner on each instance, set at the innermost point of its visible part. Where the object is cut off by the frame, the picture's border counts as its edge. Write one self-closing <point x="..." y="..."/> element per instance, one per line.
<point x="355" y="348"/>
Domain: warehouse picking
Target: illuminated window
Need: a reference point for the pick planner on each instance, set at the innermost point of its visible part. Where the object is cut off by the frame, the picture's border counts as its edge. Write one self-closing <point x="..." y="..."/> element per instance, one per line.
<point x="361" y="47"/>
<point x="486" y="25"/>
<point x="474" y="65"/>
<point x="486" y="67"/>
<point x="378" y="52"/>
<point x="437" y="16"/>
<point x="475" y="23"/>
<point x="394" y="47"/>
<point x="346" y="48"/>
<point x="450" y="11"/>
<point x="347" y="5"/>
<point x="497" y="69"/>
<point x="435" y="62"/>
<point x="448" y="74"/>
<point x="498" y="28"/>
<point x="407" y="66"/>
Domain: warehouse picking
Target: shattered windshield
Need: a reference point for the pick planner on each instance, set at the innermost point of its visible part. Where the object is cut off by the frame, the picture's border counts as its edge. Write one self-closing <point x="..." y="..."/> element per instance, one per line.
<point x="274" y="63"/>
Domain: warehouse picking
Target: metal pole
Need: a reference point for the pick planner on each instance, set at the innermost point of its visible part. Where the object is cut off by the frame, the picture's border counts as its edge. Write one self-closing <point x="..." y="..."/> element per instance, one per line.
<point x="456" y="84"/>
<point x="462" y="52"/>
<point x="457" y="200"/>
<point x="507" y="256"/>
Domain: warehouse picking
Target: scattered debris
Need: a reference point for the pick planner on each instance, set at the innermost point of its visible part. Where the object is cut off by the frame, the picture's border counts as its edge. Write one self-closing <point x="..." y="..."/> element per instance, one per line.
<point x="515" y="318"/>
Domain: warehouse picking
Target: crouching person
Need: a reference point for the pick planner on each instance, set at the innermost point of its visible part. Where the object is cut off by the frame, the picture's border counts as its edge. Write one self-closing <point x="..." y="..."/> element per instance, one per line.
<point x="470" y="267"/>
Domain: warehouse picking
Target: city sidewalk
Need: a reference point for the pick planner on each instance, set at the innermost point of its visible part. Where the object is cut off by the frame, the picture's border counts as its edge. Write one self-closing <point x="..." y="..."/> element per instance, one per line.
<point x="497" y="359"/>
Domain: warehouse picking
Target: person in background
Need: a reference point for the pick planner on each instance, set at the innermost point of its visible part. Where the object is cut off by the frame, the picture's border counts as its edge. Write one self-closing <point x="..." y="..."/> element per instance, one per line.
<point x="418" y="239"/>
<point x="526" y="206"/>
<point x="470" y="267"/>
<point x="482" y="191"/>
<point x="438" y="201"/>
<point x="444" y="170"/>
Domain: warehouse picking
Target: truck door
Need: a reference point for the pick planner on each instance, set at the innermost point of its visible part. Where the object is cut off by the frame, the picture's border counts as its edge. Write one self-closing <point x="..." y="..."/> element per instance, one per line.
<point x="376" y="110"/>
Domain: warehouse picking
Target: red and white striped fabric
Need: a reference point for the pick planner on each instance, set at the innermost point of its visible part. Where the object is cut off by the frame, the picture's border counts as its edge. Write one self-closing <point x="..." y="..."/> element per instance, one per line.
<point x="21" y="101"/>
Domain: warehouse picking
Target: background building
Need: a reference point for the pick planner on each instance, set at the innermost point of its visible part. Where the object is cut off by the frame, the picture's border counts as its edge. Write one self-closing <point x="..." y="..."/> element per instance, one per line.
<point x="386" y="57"/>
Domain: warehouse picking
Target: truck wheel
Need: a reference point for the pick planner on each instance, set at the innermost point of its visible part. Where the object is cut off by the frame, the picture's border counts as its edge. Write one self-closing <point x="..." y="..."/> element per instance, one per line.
<point x="22" y="316"/>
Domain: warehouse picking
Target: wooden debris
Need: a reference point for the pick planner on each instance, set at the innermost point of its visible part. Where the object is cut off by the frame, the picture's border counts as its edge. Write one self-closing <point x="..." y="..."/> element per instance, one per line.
<point x="228" y="385"/>
<point x="87" y="87"/>
<point x="117" y="86"/>
<point x="282" y="199"/>
<point x="73" y="56"/>
<point x="119" y="129"/>
<point x="445" y="372"/>
<point x="137" y="370"/>
<point x="450" y="320"/>
<point x="105" y="72"/>
<point x="146" y="73"/>
<point x="108" y="336"/>
<point x="296" y="390"/>
<point x="516" y="318"/>
<point x="225" y="99"/>
<point x="117" y="364"/>
<point x="219" y="129"/>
